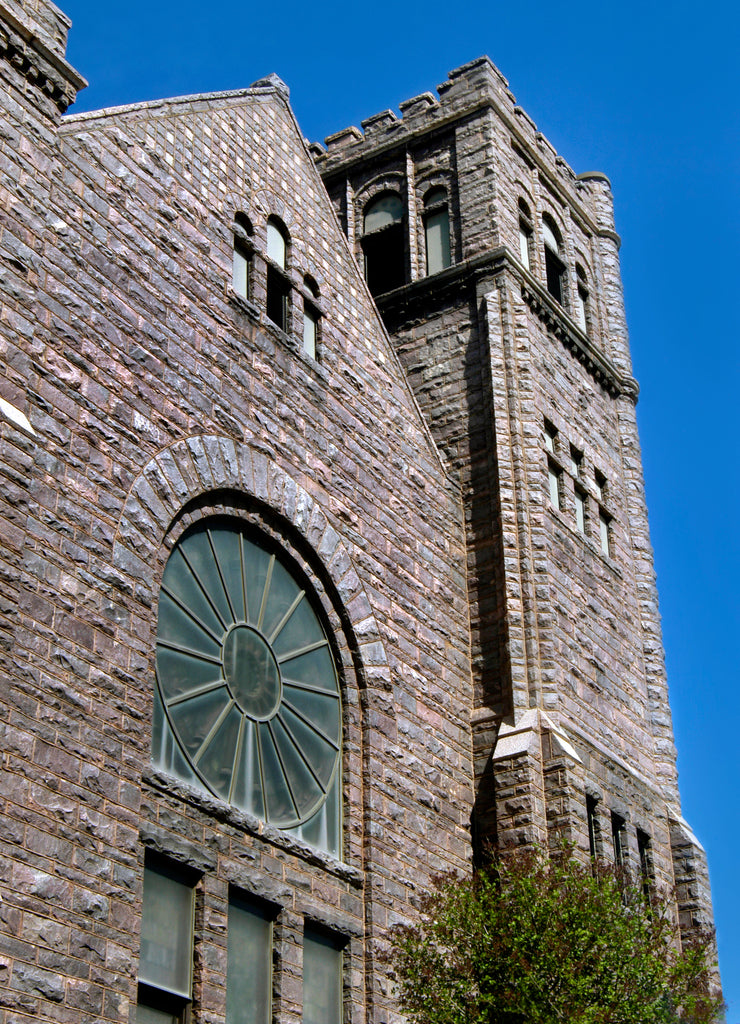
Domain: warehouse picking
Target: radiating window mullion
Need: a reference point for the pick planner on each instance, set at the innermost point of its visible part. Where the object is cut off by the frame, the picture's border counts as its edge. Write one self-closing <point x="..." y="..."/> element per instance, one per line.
<point x="244" y="577"/>
<point x="284" y="769"/>
<point x="198" y="691"/>
<point x="313" y="727"/>
<point x="302" y="756"/>
<point x="261" y="764"/>
<point x="300" y="651"/>
<point x="221" y="575"/>
<point x="203" y="589"/>
<point x="212" y="732"/>
<point x="276" y="631"/>
<point x="265" y="592"/>
<point x="181" y="649"/>
<point x="238" y="747"/>
<point x="191" y="614"/>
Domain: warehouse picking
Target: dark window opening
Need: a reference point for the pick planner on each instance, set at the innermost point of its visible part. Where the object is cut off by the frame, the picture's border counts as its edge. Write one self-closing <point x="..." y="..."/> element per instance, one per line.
<point x="647" y="873"/>
<point x="276" y="305"/>
<point x="619" y="840"/>
<point x="554" y="270"/>
<point x="436" y="230"/>
<point x="384" y="244"/>
<point x="593" y="825"/>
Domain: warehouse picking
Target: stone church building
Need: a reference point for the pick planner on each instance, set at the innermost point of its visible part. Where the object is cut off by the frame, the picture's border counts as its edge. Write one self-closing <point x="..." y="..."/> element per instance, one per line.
<point x="323" y="540"/>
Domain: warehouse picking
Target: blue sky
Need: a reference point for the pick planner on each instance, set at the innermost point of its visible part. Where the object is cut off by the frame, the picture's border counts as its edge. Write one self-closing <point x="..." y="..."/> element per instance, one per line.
<point x="646" y="92"/>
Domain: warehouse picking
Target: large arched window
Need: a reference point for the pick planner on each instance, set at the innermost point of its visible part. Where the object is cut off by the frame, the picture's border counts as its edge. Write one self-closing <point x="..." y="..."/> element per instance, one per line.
<point x="278" y="284"/>
<point x="554" y="266"/>
<point x="436" y="230"/>
<point x="383" y="243"/>
<point x="247" y="700"/>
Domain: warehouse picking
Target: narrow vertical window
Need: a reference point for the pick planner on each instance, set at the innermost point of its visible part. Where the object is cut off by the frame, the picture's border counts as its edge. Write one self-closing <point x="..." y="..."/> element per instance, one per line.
<point x="647" y="874"/>
<point x="604" y="532"/>
<point x="592" y="804"/>
<point x="241" y="272"/>
<point x="166" y="957"/>
<point x="525" y="235"/>
<point x="322" y="977"/>
<point x="278" y="284"/>
<point x="619" y="841"/>
<point x="310" y="318"/>
<point x="553" y="479"/>
<point x="249" y="963"/>
<point x="550" y="434"/>
<point x="384" y="244"/>
<point x="436" y="230"/>
<point x="580" y="497"/>
<point x="554" y="266"/>
<point x="600" y="481"/>
<point x="576" y="461"/>
<point x="582" y="311"/>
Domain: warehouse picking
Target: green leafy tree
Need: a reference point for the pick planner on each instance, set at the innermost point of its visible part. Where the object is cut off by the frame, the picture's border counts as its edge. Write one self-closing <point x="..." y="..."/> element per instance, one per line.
<point x="535" y="940"/>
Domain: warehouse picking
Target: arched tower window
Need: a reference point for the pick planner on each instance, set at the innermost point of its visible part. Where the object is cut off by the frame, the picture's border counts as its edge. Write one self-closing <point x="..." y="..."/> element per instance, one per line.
<point x="554" y="266"/>
<point x="247" y="702"/>
<point x="525" y="235"/>
<point x="278" y="283"/>
<point x="241" y="275"/>
<point x="436" y="230"/>
<point x="383" y="243"/>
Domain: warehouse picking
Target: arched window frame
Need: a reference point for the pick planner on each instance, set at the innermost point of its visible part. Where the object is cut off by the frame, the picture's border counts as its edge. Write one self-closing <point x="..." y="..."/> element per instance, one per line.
<point x="526" y="235"/>
<point x="555" y="275"/>
<point x="242" y="270"/>
<point x="278" y="285"/>
<point x="384" y="245"/>
<point x="436" y="219"/>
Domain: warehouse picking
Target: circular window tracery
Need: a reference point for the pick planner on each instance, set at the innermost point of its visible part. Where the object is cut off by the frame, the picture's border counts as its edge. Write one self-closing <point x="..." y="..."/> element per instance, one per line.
<point x="246" y="676"/>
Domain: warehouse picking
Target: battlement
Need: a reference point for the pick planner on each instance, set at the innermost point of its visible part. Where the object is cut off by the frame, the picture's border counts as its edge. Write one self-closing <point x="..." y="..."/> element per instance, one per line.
<point x="33" y="38"/>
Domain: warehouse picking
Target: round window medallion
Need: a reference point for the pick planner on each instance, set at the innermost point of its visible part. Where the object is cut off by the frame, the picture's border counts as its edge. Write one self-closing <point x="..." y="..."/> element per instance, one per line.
<point x="246" y="676"/>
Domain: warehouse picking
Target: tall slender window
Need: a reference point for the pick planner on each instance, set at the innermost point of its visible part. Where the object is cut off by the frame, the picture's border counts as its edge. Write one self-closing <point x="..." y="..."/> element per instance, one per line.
<point x="249" y="963"/>
<point x="619" y="840"/>
<point x="594" y="837"/>
<point x="554" y="266"/>
<point x="580" y="499"/>
<point x="322" y="977"/>
<point x="166" y="957"/>
<point x="278" y="284"/>
<point x="525" y="235"/>
<point x="383" y="243"/>
<point x="241" y="274"/>
<point x="553" y="478"/>
<point x="581" y="310"/>
<point x="310" y="318"/>
<point x="604" y="532"/>
<point x="436" y="230"/>
<point x="647" y="874"/>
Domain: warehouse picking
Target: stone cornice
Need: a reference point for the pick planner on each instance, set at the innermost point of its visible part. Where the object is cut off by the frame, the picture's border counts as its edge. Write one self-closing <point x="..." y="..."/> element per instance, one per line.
<point x="39" y="65"/>
<point x="452" y="286"/>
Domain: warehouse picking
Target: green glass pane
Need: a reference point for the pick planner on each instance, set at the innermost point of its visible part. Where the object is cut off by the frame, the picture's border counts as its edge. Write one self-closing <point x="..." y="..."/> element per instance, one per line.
<point x="247" y="792"/>
<point x="321" y="709"/>
<point x="217" y="763"/>
<point x="227" y="545"/>
<point x="178" y="673"/>
<point x="315" y="749"/>
<point x="281" y="595"/>
<point x="166" y="933"/>
<point x="305" y="789"/>
<point x="301" y="630"/>
<point x="322" y="830"/>
<point x="197" y="548"/>
<point x="180" y="581"/>
<point x="249" y="962"/>
<point x="193" y="719"/>
<point x="257" y="562"/>
<point x="279" y="805"/>
<point x="315" y="668"/>
<point x="180" y="627"/>
<point x="322" y="979"/>
<point x="166" y="753"/>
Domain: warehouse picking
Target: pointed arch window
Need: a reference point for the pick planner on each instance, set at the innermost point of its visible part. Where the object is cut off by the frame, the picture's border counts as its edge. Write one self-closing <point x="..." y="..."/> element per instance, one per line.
<point x="384" y="243"/>
<point x="554" y="266"/>
<point x="436" y="230"/>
